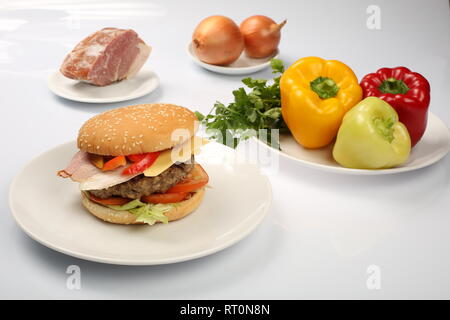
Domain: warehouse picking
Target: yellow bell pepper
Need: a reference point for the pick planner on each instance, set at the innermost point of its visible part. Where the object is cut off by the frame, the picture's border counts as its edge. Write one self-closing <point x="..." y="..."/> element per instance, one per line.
<point x="315" y="95"/>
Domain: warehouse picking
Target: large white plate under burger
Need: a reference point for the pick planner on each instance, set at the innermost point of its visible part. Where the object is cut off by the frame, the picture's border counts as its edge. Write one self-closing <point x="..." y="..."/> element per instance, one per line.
<point x="143" y="83"/>
<point x="433" y="146"/>
<point x="52" y="213"/>
<point x="243" y="65"/>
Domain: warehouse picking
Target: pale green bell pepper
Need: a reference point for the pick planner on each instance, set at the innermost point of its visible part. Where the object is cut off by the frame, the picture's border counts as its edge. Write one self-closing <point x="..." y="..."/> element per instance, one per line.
<point x="371" y="137"/>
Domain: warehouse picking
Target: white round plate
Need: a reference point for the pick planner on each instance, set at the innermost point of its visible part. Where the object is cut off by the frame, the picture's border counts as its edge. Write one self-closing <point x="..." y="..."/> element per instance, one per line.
<point x="243" y="65"/>
<point x="49" y="210"/>
<point x="144" y="82"/>
<point x="433" y="146"/>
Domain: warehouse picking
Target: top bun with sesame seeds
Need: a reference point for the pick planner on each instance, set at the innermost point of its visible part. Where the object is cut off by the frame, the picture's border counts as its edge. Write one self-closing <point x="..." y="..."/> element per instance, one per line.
<point x="137" y="129"/>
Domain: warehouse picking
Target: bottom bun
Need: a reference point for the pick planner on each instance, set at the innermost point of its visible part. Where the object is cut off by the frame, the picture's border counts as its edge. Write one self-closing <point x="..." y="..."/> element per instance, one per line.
<point x="181" y="210"/>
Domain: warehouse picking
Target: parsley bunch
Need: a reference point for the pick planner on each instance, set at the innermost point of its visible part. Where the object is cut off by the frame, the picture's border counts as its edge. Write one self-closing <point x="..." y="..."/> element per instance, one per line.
<point x="258" y="109"/>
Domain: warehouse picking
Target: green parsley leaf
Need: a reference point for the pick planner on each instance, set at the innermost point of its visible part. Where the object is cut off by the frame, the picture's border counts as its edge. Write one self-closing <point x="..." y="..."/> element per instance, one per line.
<point x="277" y="66"/>
<point x="199" y="116"/>
<point x="251" y="111"/>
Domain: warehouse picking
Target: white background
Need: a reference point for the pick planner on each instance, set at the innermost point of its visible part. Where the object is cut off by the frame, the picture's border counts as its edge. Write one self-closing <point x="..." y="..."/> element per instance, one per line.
<point x="323" y="231"/>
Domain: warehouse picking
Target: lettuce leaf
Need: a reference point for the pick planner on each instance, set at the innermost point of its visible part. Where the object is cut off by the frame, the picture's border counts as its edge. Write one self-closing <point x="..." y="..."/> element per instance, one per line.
<point x="146" y="212"/>
<point x="127" y="206"/>
<point x="151" y="213"/>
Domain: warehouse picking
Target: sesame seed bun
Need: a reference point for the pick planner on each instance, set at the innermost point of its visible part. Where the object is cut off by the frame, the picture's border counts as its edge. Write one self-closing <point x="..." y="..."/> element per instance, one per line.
<point x="182" y="209"/>
<point x="137" y="129"/>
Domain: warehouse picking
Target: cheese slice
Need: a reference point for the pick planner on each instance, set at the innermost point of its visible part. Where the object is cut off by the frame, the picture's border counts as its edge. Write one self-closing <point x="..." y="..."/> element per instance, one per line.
<point x="180" y="153"/>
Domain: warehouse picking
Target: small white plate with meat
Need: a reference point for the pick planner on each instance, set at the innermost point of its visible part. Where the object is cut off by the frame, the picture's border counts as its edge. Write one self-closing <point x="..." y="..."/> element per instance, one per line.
<point x="143" y="83"/>
<point x="243" y="65"/>
<point x="53" y="215"/>
<point x="105" y="67"/>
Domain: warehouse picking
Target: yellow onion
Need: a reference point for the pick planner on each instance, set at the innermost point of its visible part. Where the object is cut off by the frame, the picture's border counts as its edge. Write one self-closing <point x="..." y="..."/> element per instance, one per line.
<point x="261" y="35"/>
<point x="217" y="40"/>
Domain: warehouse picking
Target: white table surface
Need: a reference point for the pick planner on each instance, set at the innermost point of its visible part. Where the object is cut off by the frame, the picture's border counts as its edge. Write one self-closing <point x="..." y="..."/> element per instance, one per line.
<point x="323" y="231"/>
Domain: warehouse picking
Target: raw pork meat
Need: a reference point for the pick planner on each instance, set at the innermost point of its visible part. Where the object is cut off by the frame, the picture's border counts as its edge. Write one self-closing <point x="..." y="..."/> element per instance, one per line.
<point x="106" y="56"/>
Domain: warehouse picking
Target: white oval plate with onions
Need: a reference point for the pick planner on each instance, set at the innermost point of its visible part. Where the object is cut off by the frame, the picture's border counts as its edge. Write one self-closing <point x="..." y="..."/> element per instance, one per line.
<point x="52" y="213"/>
<point x="243" y="65"/>
<point x="144" y="82"/>
<point x="433" y="146"/>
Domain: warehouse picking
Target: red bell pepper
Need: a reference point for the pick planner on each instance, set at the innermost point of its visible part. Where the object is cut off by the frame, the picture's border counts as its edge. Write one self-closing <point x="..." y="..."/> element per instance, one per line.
<point x="406" y="91"/>
<point x="143" y="161"/>
<point x="136" y="157"/>
<point x="114" y="163"/>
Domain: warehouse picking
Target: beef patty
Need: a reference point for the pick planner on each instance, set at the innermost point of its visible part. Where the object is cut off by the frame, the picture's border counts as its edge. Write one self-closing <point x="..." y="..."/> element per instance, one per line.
<point x="143" y="186"/>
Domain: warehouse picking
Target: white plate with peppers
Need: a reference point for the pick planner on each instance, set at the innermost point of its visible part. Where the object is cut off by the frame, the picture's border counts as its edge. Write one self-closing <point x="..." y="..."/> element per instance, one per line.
<point x="380" y="125"/>
<point x="385" y="126"/>
<point x="433" y="146"/>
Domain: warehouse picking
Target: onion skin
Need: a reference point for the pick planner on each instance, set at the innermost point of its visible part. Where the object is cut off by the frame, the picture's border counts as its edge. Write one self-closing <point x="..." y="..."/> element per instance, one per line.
<point x="261" y="35"/>
<point x="217" y="40"/>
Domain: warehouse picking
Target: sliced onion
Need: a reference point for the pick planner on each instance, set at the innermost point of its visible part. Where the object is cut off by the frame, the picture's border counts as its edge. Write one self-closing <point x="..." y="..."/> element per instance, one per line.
<point x="261" y="35"/>
<point x="217" y="40"/>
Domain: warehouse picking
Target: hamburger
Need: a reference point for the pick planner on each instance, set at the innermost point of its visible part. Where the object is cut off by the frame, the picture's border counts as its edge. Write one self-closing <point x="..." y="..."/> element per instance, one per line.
<point x="136" y="164"/>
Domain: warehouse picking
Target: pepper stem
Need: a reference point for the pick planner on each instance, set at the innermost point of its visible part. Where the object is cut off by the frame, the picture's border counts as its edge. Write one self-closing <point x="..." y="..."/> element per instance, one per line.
<point x="324" y="87"/>
<point x="384" y="128"/>
<point x="394" y="86"/>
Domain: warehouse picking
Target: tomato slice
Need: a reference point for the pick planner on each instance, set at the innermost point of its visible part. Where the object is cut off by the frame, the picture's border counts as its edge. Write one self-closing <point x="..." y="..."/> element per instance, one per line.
<point x="165" y="197"/>
<point x="196" y="179"/>
<point x="114" y="163"/>
<point x="111" y="201"/>
<point x="141" y="165"/>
